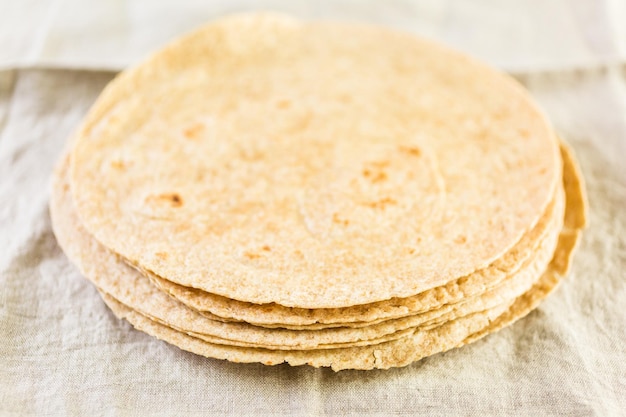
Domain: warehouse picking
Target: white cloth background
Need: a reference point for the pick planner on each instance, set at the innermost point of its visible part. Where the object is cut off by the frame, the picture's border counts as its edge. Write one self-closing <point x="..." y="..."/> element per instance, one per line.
<point x="516" y="35"/>
<point x="63" y="353"/>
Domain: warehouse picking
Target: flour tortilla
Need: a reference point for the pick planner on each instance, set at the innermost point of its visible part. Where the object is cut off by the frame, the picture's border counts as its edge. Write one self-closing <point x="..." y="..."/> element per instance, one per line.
<point x="265" y="160"/>
<point x="575" y="221"/>
<point x="274" y="315"/>
<point x="400" y="352"/>
<point x="408" y="349"/>
<point x="114" y="277"/>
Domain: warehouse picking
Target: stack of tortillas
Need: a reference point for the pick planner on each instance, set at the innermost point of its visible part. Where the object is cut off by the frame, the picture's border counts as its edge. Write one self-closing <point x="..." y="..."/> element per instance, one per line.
<point x="270" y="190"/>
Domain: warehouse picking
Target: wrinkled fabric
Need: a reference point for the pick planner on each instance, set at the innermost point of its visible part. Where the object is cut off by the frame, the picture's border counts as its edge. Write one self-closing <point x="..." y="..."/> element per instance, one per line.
<point x="63" y="353"/>
<point x="514" y="35"/>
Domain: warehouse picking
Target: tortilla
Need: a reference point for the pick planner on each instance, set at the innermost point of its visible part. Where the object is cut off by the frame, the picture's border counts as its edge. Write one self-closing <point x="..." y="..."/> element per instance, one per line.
<point x="311" y="164"/>
<point x="409" y="349"/>
<point x="115" y="278"/>
<point x="575" y="221"/>
<point x="400" y="352"/>
<point x="274" y="315"/>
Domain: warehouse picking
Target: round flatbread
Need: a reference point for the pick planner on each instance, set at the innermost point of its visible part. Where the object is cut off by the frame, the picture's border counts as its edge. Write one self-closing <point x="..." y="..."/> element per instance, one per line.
<point x="275" y="315"/>
<point x="412" y="347"/>
<point x="400" y="352"/>
<point x="115" y="278"/>
<point x="312" y="165"/>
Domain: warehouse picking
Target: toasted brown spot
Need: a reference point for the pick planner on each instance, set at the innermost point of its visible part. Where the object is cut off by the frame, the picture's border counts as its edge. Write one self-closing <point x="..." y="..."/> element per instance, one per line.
<point x="380" y="176"/>
<point x="382" y="203"/>
<point x="283" y="104"/>
<point x="251" y="255"/>
<point x="411" y="150"/>
<point x="460" y="239"/>
<point x="339" y="220"/>
<point x="193" y="131"/>
<point x="375" y="175"/>
<point x="176" y="200"/>
<point x="117" y="164"/>
<point x="173" y="199"/>
<point x="266" y="248"/>
<point x="161" y="255"/>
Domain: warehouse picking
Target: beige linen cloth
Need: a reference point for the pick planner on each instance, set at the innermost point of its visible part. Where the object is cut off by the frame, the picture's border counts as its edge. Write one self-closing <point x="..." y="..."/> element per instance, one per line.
<point x="63" y="353"/>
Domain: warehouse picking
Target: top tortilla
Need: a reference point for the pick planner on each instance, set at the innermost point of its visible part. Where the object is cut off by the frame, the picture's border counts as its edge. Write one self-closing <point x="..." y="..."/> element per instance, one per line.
<point x="274" y="315"/>
<point x="313" y="165"/>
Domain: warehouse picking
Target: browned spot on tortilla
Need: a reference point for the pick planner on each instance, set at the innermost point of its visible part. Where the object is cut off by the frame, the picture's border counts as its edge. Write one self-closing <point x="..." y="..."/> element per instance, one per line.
<point x="380" y="176"/>
<point x="460" y="239"/>
<point x="411" y="150"/>
<point x="174" y="199"/>
<point x="283" y="104"/>
<point x="117" y="164"/>
<point x="382" y="203"/>
<point x="339" y="220"/>
<point x="192" y="132"/>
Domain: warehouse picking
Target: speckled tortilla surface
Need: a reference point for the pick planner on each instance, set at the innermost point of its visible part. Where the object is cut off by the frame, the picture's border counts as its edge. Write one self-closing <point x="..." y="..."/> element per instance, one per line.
<point x="311" y="164"/>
